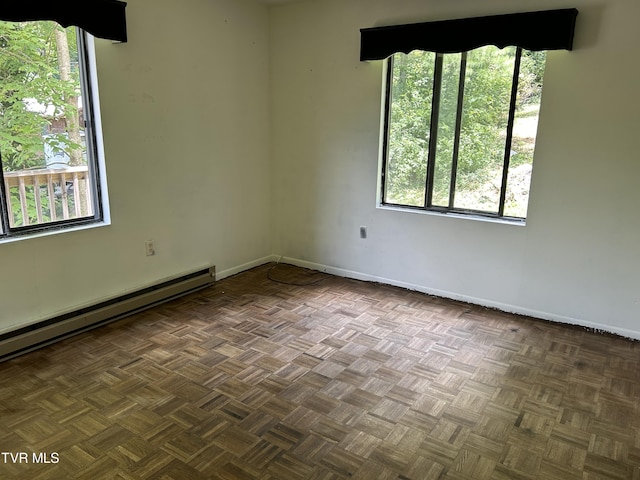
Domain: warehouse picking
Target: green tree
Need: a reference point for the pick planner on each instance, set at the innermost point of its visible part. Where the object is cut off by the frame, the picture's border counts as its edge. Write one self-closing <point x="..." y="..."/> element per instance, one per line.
<point x="39" y="88"/>
<point x="34" y="90"/>
<point x="409" y="127"/>
<point x="487" y="90"/>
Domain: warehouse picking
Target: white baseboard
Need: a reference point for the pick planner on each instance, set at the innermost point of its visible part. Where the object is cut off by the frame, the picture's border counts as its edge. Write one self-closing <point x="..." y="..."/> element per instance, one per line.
<point x="623" y="332"/>
<point x="34" y="336"/>
<point x="245" y="266"/>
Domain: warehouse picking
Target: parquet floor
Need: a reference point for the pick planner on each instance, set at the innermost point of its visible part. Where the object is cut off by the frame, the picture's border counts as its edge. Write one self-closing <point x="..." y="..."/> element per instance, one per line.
<point x="255" y="378"/>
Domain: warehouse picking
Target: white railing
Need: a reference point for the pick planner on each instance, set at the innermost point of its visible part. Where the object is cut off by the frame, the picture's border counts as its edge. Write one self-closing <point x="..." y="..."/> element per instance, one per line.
<point x="48" y="195"/>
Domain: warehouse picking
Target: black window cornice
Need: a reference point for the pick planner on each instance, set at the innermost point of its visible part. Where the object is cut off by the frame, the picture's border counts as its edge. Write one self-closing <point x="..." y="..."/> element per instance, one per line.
<point x="542" y="30"/>
<point x="101" y="18"/>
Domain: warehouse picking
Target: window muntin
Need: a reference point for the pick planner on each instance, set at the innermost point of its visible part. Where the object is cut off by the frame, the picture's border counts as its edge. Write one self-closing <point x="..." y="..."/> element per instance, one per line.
<point x="460" y="130"/>
<point x="47" y="138"/>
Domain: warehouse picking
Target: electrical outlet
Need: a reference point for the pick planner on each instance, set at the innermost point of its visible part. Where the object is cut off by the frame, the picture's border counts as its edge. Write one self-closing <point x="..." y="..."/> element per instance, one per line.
<point x="363" y="232"/>
<point x="150" y="248"/>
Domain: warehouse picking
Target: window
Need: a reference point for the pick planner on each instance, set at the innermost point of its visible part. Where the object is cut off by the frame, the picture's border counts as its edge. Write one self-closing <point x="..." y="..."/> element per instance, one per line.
<point x="460" y="130"/>
<point x="461" y="109"/>
<point x="48" y="153"/>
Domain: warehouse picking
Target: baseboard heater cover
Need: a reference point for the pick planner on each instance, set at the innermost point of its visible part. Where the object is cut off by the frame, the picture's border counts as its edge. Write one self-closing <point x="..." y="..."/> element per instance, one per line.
<point x="43" y="333"/>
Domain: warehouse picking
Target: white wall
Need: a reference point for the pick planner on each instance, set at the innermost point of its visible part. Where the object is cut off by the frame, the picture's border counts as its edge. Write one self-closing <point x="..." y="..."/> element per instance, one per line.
<point x="234" y="131"/>
<point x="577" y="259"/>
<point x="185" y="114"/>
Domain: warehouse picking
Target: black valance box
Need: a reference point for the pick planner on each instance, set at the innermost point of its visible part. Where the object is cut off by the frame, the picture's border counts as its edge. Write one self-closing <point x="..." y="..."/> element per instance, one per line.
<point x="101" y="18"/>
<point x="543" y="30"/>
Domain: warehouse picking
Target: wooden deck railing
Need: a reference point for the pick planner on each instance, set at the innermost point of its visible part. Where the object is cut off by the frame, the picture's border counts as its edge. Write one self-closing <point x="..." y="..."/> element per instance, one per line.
<point x="48" y="195"/>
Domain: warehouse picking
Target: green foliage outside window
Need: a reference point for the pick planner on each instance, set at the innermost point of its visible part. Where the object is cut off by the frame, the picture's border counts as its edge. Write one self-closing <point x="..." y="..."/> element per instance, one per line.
<point x="487" y="90"/>
<point x="32" y="92"/>
<point x="39" y="93"/>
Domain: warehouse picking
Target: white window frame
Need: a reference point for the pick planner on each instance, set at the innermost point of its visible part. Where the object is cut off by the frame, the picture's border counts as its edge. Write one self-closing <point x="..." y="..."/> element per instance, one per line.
<point x="95" y="158"/>
<point x="428" y="206"/>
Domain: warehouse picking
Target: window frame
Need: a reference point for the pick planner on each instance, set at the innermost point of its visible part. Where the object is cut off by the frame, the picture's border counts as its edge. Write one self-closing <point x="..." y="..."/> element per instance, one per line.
<point x="94" y="150"/>
<point x="433" y="134"/>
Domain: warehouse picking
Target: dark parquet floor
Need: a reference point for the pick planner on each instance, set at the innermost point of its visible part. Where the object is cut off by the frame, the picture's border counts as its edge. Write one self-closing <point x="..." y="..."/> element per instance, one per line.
<point x="283" y="373"/>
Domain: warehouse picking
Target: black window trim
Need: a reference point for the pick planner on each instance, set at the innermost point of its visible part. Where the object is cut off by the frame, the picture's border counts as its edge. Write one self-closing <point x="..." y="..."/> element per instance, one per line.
<point x="533" y="31"/>
<point x="433" y="127"/>
<point x="93" y="162"/>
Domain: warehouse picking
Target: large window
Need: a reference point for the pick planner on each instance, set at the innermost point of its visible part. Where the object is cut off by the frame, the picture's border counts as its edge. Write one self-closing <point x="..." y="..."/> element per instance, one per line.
<point x="460" y="130"/>
<point x="50" y="176"/>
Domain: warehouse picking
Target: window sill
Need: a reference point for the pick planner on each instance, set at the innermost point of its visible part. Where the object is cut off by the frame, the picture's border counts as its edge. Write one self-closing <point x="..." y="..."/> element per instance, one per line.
<point x="53" y="231"/>
<point x="464" y="216"/>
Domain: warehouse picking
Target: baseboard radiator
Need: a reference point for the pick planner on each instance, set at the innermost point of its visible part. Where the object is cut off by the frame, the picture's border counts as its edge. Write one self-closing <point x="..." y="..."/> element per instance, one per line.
<point x="43" y="333"/>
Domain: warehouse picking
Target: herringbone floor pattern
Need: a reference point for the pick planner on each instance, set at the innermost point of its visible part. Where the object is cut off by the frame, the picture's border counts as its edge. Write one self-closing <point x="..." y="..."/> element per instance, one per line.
<point x="330" y="378"/>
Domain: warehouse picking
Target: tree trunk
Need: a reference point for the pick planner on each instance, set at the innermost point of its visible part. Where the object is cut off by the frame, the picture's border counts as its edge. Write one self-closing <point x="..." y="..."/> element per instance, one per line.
<point x="71" y="110"/>
<point x="72" y="121"/>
